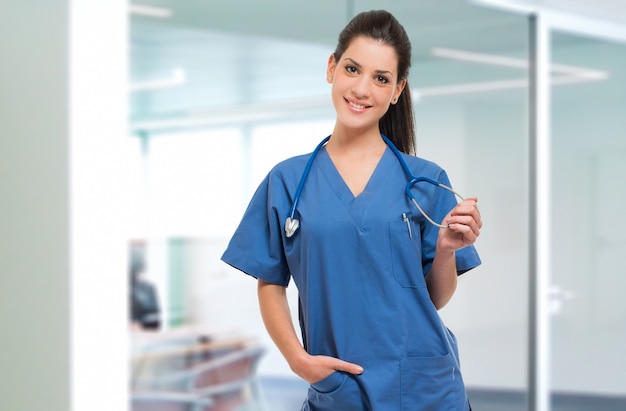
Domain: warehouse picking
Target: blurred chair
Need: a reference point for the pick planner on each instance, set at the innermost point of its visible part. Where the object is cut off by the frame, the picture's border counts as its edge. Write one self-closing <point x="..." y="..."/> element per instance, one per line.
<point x="170" y="356"/>
<point x="169" y="401"/>
<point x="227" y="376"/>
<point x="229" y="380"/>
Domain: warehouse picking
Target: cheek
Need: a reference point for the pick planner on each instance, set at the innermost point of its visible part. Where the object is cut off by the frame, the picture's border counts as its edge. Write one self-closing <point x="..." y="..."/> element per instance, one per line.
<point x="386" y="97"/>
<point x="336" y="96"/>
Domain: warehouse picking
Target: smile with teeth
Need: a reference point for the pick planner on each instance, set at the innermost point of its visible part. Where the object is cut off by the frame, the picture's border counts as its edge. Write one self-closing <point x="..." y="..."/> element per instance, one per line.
<point x="357" y="106"/>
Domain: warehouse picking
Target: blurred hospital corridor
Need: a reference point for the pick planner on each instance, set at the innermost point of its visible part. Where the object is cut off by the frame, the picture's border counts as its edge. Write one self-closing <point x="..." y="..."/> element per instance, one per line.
<point x="133" y="135"/>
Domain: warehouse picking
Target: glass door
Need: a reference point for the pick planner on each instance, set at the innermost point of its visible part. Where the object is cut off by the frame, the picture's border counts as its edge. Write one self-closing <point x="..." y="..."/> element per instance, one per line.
<point x="588" y="308"/>
<point x="471" y="109"/>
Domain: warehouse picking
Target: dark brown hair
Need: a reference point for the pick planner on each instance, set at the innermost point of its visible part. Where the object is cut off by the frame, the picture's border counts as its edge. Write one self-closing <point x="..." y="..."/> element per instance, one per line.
<point x="398" y="123"/>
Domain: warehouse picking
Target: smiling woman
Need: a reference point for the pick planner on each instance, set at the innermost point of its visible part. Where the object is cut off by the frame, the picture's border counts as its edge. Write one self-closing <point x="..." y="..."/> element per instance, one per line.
<point x="354" y="199"/>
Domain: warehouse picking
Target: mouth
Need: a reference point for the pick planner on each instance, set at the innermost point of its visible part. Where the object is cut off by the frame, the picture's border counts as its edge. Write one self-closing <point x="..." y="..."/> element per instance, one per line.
<point x="356" y="105"/>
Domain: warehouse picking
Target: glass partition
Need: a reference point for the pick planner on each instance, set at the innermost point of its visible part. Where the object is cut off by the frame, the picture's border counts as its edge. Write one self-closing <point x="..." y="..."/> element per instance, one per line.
<point x="589" y="229"/>
<point x="471" y="114"/>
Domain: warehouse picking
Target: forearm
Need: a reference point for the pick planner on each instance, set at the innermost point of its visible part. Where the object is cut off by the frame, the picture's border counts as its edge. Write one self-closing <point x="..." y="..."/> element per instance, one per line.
<point x="277" y="319"/>
<point x="463" y="228"/>
<point x="442" y="278"/>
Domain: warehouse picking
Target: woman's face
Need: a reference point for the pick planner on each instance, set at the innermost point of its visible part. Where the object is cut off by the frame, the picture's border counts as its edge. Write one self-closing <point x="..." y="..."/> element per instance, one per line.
<point x="364" y="82"/>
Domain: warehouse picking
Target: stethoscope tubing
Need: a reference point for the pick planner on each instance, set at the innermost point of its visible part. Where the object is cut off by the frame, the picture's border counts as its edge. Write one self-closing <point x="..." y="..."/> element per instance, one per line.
<point x="305" y="174"/>
<point x="292" y="224"/>
<point x="414" y="180"/>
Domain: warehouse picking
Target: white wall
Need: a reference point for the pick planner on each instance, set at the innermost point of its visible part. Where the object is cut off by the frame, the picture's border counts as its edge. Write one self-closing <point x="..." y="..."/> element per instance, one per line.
<point x="62" y="252"/>
<point x="34" y="218"/>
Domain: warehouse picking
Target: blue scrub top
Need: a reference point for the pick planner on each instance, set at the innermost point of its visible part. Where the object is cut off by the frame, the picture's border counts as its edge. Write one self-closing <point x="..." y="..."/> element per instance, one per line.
<point x="360" y="279"/>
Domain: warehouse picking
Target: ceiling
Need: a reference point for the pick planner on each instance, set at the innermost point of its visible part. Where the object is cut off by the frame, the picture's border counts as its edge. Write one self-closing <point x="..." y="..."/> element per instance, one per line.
<point x="318" y="22"/>
<point x="261" y="57"/>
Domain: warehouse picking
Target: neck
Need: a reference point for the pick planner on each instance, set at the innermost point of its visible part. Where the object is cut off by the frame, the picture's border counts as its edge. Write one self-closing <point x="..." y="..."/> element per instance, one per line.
<point x="356" y="140"/>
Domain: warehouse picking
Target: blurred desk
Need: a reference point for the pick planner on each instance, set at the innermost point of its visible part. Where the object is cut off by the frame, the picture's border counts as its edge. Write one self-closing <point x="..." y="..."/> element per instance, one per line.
<point x="216" y="367"/>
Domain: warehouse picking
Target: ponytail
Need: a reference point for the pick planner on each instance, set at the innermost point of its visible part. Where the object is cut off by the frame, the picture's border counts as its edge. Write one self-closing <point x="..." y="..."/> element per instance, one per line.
<point x="398" y="123"/>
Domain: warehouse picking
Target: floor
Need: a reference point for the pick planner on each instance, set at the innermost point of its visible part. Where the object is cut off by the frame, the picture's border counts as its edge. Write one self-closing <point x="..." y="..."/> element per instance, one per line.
<point x="287" y="394"/>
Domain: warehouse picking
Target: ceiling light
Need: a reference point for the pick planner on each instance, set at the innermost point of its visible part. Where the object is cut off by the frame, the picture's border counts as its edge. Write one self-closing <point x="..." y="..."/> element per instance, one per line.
<point x="562" y="74"/>
<point x="495" y="60"/>
<point x="149" y="11"/>
<point x="177" y="78"/>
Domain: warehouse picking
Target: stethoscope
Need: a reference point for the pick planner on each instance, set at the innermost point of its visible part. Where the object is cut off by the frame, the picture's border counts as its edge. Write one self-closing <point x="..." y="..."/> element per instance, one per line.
<point x="292" y="224"/>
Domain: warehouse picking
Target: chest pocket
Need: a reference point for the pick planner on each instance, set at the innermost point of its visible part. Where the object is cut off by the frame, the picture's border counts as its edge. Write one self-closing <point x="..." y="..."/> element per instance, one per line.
<point x="406" y="254"/>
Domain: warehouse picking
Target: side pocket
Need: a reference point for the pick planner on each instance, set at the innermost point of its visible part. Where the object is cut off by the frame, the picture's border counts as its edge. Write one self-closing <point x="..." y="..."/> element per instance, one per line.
<point x="406" y="255"/>
<point x="330" y="383"/>
<point x="336" y="392"/>
<point x="431" y="384"/>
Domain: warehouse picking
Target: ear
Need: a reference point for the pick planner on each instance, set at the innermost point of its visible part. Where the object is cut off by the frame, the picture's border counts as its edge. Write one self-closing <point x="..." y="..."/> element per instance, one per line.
<point x="398" y="91"/>
<point x="330" y="70"/>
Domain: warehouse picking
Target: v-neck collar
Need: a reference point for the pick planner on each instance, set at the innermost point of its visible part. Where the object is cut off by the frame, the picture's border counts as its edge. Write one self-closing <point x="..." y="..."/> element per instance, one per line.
<point x="340" y="187"/>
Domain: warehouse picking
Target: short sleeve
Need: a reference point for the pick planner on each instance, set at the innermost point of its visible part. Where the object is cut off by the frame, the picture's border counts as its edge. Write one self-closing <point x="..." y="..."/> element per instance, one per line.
<point x="467" y="257"/>
<point x="256" y="247"/>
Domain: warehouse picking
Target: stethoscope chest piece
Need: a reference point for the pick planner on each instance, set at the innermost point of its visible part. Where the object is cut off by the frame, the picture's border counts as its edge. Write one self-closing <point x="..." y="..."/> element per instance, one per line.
<point x="291" y="226"/>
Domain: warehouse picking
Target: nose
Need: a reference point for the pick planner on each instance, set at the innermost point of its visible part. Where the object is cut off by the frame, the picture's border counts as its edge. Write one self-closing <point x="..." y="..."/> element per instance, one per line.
<point x="360" y="87"/>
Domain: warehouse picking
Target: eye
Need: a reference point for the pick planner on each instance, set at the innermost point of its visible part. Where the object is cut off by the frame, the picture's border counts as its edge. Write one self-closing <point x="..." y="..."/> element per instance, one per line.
<point x="351" y="69"/>
<point x="382" y="79"/>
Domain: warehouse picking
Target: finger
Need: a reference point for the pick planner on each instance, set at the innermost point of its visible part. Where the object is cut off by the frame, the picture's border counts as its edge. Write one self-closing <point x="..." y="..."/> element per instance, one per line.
<point x="473" y="202"/>
<point x="467" y="235"/>
<point x="463" y="224"/>
<point x="466" y="209"/>
<point x="466" y="227"/>
<point x="348" y="367"/>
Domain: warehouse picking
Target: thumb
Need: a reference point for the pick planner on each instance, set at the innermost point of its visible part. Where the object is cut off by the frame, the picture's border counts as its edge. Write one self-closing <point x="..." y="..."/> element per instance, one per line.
<point x="348" y="367"/>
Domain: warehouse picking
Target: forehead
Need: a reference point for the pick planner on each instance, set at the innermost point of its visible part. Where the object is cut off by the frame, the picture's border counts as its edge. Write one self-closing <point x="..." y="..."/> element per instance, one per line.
<point x="372" y="53"/>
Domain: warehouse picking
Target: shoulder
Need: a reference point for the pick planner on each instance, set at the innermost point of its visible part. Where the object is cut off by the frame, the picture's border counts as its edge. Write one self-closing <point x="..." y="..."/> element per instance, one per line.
<point x="422" y="166"/>
<point x="297" y="163"/>
<point x="289" y="169"/>
<point x="291" y="164"/>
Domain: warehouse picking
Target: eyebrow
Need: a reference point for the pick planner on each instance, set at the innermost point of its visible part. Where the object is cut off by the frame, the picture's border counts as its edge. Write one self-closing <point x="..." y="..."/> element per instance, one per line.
<point x="359" y="66"/>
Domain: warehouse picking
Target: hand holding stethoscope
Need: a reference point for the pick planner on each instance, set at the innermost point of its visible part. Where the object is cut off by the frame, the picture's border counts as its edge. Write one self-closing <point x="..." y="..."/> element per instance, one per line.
<point x="463" y="224"/>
